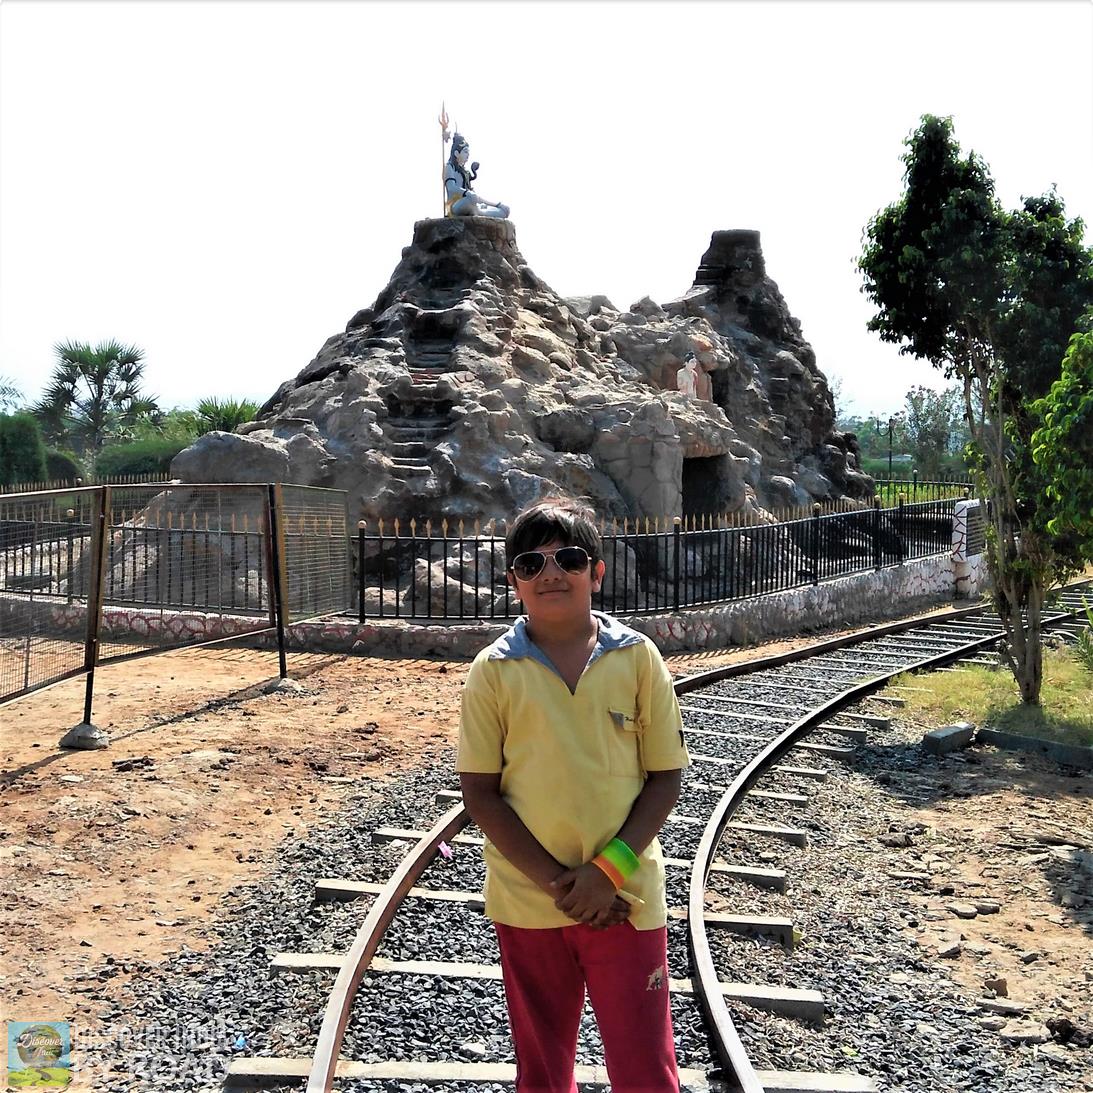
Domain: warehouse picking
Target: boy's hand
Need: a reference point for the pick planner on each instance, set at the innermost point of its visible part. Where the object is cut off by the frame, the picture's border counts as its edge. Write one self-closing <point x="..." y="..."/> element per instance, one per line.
<point x="619" y="911"/>
<point x="590" y="892"/>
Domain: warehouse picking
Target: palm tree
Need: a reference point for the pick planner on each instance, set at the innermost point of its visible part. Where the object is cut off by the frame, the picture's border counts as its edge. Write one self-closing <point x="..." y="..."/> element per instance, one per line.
<point x="10" y="395"/>
<point x="93" y="392"/>
<point x="224" y="415"/>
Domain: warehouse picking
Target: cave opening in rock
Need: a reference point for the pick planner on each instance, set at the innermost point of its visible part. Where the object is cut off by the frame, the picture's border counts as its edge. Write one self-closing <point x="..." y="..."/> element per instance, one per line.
<point x="705" y="485"/>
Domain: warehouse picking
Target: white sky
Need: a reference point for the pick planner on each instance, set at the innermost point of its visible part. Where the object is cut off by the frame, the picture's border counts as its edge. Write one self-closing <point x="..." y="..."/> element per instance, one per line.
<point x="225" y="184"/>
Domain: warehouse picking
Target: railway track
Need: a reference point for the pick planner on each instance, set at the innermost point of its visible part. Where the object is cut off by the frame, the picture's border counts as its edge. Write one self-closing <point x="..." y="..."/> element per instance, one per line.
<point x="784" y="716"/>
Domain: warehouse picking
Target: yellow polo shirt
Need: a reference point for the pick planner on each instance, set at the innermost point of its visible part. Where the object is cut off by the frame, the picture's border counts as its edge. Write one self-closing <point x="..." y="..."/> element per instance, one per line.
<point x="571" y="764"/>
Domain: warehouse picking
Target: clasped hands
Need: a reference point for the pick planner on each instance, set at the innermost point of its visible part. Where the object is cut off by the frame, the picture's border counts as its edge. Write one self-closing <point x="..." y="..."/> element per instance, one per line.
<point x="587" y="895"/>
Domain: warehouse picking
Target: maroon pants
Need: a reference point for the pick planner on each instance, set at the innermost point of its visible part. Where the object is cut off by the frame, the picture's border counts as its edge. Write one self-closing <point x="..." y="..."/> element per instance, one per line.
<point x="626" y="974"/>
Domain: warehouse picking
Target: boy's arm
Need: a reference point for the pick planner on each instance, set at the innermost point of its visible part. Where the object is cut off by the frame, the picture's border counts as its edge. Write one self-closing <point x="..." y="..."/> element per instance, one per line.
<point x="651" y="809"/>
<point x="500" y="824"/>
<point x="590" y="887"/>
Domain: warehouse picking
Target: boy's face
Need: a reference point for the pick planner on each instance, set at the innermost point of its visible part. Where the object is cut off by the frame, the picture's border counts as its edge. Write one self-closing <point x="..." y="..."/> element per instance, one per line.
<point x="557" y="596"/>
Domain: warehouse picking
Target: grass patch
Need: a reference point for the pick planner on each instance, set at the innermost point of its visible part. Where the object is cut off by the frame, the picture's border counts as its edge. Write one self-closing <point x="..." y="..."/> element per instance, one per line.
<point x="988" y="698"/>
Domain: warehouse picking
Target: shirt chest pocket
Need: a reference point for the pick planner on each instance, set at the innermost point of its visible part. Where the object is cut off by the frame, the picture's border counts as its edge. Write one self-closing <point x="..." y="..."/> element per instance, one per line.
<point x="624" y="741"/>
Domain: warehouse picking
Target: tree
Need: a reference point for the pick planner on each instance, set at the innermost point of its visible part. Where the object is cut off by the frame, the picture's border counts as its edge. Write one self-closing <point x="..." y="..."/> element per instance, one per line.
<point x="152" y="455"/>
<point x="10" y="395"/>
<point x="991" y="298"/>
<point x="1062" y="448"/>
<point x="93" y="393"/>
<point x="933" y="425"/>
<point x="224" y="415"/>
<point x="22" y="453"/>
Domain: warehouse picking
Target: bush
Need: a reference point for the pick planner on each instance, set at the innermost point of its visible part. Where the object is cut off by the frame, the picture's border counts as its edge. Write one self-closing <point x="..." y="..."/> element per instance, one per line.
<point x="62" y="466"/>
<point x="150" y="456"/>
<point x="1084" y="648"/>
<point x="22" y="452"/>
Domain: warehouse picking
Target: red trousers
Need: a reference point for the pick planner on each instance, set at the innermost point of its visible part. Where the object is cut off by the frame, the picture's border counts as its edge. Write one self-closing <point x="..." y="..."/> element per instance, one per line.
<point x="626" y="974"/>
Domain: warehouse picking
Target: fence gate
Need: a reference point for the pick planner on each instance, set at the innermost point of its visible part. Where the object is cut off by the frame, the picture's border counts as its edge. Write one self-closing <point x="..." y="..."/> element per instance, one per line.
<point x="313" y="540"/>
<point x="101" y="573"/>
<point x="45" y="554"/>
<point x="184" y="564"/>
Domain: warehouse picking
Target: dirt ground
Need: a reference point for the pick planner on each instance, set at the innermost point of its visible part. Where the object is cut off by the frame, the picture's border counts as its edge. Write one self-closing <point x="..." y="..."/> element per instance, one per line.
<point x="1013" y="834"/>
<point x="126" y="852"/>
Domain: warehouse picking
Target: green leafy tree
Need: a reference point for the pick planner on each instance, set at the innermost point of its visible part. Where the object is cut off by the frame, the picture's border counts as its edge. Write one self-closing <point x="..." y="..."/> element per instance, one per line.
<point x="187" y="425"/>
<point x="992" y="298"/>
<point x="93" y="394"/>
<point x="22" y="452"/>
<point x="1062" y="449"/>
<point x="151" y="455"/>
<point x="933" y="424"/>
<point x="62" y="466"/>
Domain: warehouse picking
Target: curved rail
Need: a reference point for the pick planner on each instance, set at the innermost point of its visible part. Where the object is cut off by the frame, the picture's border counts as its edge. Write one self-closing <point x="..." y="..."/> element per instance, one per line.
<point x="725" y="1040"/>
<point x="365" y="944"/>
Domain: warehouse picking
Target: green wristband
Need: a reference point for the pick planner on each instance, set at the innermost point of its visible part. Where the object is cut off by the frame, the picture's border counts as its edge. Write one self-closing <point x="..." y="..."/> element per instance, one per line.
<point x="621" y="857"/>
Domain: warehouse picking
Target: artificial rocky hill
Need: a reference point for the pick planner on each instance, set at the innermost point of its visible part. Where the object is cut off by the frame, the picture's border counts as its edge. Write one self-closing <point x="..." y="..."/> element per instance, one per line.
<point x="470" y="388"/>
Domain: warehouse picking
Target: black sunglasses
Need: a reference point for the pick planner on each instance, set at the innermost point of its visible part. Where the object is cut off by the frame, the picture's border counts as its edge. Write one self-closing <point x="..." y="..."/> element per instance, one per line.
<point x="569" y="559"/>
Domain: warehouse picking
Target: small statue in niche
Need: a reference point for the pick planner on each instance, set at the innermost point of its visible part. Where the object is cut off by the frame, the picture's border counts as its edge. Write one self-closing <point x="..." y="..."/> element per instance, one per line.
<point x="687" y="377"/>
<point x="459" y="198"/>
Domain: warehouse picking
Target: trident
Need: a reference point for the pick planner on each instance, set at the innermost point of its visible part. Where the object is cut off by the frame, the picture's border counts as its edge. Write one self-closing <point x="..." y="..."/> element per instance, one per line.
<point x="445" y="136"/>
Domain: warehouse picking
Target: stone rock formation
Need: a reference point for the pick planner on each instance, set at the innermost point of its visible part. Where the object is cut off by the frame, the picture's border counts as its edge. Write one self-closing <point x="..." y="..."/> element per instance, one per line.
<point x="470" y="388"/>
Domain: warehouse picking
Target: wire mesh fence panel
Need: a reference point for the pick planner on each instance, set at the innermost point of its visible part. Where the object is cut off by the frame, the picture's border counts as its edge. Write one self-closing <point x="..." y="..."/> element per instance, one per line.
<point x="45" y="551"/>
<point x="184" y="564"/>
<point x="316" y="552"/>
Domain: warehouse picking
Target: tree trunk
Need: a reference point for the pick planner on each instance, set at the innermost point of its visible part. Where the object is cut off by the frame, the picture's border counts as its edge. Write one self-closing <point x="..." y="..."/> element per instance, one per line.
<point x="1017" y="571"/>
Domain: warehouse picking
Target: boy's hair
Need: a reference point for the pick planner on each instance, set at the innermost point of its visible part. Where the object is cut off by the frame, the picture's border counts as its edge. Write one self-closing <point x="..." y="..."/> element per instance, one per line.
<point x="554" y="518"/>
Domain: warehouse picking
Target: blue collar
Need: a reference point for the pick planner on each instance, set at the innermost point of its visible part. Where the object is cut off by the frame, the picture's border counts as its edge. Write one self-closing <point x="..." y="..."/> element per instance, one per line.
<point x="515" y="643"/>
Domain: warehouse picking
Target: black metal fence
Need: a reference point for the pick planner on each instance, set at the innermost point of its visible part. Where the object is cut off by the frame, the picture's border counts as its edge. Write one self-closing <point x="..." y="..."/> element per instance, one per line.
<point x="915" y="489"/>
<point x="98" y="573"/>
<point x="651" y="566"/>
<point x="93" y="574"/>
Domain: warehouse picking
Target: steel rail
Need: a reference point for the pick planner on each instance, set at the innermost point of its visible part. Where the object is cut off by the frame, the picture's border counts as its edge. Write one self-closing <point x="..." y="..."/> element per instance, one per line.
<point x="724" y="1038"/>
<point x="338" y="1007"/>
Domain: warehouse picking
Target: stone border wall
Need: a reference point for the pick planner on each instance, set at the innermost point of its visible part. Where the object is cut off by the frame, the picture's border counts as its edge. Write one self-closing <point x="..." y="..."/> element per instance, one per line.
<point x="861" y="598"/>
<point x="150" y="627"/>
<point x="847" y="601"/>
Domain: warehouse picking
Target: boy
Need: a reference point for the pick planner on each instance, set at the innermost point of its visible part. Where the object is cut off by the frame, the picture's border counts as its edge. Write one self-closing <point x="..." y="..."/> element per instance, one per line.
<point x="570" y="756"/>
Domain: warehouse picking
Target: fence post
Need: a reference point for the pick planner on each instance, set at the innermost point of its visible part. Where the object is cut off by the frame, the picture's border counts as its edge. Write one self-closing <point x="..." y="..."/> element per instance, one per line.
<point x="914" y="483"/>
<point x="70" y="516"/>
<point x="360" y="570"/>
<point x="878" y="554"/>
<point x="87" y="734"/>
<point x="817" y="508"/>
<point x="676" y="524"/>
<point x="901" y="529"/>
<point x="277" y="582"/>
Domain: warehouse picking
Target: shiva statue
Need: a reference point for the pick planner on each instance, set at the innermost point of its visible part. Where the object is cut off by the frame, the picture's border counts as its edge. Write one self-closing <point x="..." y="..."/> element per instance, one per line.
<point x="459" y="198"/>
